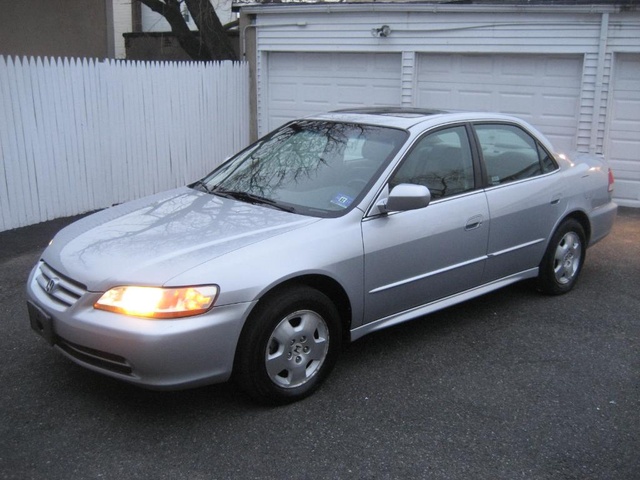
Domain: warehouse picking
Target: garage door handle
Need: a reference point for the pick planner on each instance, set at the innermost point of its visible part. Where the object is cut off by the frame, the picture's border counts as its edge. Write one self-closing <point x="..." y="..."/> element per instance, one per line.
<point x="474" y="222"/>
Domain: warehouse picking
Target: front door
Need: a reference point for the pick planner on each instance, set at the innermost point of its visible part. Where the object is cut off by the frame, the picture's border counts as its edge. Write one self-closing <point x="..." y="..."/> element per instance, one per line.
<point x="415" y="257"/>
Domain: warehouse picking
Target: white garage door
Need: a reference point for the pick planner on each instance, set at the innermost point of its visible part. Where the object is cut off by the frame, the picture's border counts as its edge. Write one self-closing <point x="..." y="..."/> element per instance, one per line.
<point x="301" y="84"/>
<point x="623" y="147"/>
<point x="542" y="89"/>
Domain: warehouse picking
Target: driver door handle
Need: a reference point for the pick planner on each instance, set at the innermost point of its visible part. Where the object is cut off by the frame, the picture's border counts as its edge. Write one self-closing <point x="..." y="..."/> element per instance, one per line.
<point x="474" y="222"/>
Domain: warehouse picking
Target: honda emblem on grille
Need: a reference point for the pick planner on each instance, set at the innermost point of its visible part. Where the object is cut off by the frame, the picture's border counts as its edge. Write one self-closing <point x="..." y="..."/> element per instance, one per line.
<point x="52" y="285"/>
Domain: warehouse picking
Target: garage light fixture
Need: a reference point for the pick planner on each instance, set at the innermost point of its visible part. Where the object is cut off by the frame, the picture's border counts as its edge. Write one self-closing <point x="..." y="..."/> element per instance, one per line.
<point x="383" y="31"/>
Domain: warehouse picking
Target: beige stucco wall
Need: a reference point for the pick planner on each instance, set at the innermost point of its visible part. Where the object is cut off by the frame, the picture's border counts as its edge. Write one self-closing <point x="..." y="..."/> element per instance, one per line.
<point x="56" y="28"/>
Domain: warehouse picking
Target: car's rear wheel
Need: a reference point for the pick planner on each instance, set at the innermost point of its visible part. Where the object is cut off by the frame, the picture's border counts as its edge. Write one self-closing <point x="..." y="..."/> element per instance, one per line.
<point x="288" y="346"/>
<point x="562" y="262"/>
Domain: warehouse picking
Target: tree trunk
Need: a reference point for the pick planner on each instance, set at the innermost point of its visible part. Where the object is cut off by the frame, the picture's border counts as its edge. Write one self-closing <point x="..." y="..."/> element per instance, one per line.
<point x="210" y="42"/>
<point x="212" y="33"/>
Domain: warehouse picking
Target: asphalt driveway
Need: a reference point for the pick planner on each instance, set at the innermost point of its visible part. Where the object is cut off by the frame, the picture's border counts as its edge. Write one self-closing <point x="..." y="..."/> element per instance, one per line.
<point x="511" y="385"/>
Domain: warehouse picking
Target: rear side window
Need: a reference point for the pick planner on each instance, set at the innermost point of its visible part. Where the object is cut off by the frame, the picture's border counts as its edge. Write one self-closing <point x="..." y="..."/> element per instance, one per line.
<point x="511" y="154"/>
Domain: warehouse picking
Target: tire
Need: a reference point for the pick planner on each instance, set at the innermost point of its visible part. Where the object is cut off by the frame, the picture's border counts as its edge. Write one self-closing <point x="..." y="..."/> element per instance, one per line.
<point x="563" y="260"/>
<point x="288" y="346"/>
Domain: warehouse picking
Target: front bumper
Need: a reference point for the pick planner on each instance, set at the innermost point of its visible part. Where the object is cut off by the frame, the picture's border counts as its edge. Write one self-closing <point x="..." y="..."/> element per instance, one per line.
<point x="159" y="354"/>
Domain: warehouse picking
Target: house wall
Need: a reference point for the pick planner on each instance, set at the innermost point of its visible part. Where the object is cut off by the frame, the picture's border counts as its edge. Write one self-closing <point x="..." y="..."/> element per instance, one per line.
<point x="122" y="23"/>
<point x="57" y="28"/>
<point x="593" y="35"/>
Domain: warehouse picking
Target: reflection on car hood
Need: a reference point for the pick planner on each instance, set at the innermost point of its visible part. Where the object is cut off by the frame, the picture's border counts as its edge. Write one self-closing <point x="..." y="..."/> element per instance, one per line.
<point x="149" y="241"/>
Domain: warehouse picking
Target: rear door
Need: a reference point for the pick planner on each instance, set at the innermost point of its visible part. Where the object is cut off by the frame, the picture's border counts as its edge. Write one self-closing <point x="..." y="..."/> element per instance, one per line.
<point x="523" y="195"/>
<point x="415" y="257"/>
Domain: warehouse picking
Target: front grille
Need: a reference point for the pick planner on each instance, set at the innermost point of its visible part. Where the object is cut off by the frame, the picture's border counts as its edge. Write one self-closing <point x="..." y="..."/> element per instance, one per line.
<point x="58" y="287"/>
<point x="97" y="358"/>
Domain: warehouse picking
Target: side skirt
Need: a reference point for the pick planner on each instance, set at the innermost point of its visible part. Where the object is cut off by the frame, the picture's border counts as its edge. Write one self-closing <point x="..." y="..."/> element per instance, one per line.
<point x="421" y="310"/>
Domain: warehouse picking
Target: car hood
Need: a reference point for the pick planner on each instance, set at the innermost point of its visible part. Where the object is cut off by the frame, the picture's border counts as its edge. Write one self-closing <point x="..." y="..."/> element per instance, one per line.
<point x="151" y="240"/>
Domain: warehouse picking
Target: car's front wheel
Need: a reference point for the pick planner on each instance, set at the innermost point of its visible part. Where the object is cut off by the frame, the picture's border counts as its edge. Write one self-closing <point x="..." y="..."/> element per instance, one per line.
<point x="288" y="346"/>
<point x="562" y="262"/>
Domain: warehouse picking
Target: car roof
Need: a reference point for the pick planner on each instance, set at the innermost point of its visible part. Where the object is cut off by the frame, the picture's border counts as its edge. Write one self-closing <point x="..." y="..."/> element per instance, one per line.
<point x="406" y="118"/>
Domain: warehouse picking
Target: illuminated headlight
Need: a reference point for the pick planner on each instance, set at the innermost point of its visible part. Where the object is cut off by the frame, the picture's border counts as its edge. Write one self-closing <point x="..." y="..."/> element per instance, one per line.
<point x="156" y="302"/>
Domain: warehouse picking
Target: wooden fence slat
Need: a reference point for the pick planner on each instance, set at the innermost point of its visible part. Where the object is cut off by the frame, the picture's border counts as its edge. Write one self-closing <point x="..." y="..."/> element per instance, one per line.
<point x="57" y="183"/>
<point x="7" y="145"/>
<point x="39" y="141"/>
<point x="18" y="182"/>
<point x="65" y="162"/>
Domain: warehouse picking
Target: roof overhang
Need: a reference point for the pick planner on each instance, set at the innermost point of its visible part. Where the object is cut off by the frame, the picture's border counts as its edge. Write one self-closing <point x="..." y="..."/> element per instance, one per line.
<point x="301" y="6"/>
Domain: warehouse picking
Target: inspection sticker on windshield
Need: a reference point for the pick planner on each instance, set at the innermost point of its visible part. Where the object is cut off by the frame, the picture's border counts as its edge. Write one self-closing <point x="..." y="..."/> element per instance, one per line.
<point x="342" y="200"/>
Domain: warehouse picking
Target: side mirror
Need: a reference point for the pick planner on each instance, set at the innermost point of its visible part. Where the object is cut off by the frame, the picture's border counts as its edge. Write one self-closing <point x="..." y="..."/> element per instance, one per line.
<point x="406" y="196"/>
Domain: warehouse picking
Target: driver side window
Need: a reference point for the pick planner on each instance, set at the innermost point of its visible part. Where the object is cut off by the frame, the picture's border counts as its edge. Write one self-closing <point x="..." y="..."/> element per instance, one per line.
<point x="441" y="161"/>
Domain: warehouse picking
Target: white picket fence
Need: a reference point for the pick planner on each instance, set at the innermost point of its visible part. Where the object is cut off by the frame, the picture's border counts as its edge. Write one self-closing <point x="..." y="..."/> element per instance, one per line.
<point x="79" y="135"/>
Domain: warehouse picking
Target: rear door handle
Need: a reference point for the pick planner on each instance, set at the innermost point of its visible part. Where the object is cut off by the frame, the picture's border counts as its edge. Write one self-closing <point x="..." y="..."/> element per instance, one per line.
<point x="474" y="222"/>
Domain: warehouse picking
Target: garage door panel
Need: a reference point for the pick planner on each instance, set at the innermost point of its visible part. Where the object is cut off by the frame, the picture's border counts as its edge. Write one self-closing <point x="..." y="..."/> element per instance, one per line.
<point x="471" y="64"/>
<point x="517" y="71"/>
<point x="624" y="168"/>
<point x="623" y="150"/>
<point x="310" y="62"/>
<point x="626" y="74"/>
<point x="558" y="68"/>
<point x="626" y="190"/>
<point x="440" y="97"/>
<point x="441" y="64"/>
<point x="468" y="92"/>
<point x="280" y="63"/>
<point x="384" y="93"/>
<point x="519" y="103"/>
<point x="467" y="100"/>
<point x="561" y="139"/>
<point x="318" y="104"/>
<point x="282" y="93"/>
<point x="543" y="89"/>
<point x="558" y="105"/>
<point x="627" y="112"/>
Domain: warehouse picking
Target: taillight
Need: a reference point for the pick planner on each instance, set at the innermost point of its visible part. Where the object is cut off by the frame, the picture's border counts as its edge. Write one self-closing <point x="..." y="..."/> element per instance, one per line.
<point x="611" y="180"/>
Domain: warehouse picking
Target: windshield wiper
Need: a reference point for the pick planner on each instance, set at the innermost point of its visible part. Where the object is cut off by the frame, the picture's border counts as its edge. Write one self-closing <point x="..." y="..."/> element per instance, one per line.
<point x="251" y="198"/>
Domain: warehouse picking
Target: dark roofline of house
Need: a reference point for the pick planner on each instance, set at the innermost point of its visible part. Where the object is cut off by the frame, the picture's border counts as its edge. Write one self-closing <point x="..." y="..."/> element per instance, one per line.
<point x="622" y="4"/>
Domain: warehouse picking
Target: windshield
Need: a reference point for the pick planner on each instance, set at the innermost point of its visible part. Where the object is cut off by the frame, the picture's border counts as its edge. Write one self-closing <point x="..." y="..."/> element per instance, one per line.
<point x="310" y="167"/>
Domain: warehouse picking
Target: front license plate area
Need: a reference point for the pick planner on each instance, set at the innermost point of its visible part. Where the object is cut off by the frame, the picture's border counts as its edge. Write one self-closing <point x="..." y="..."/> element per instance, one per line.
<point x="41" y="322"/>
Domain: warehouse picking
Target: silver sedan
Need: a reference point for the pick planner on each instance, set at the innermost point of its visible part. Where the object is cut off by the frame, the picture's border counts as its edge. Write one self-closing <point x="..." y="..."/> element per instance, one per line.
<point x="327" y="229"/>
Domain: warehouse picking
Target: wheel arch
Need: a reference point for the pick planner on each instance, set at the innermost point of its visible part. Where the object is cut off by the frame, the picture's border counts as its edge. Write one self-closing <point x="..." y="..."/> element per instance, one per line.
<point x="564" y="256"/>
<point x="583" y="220"/>
<point x="324" y="284"/>
<point x="578" y="215"/>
